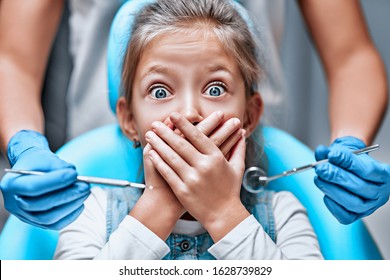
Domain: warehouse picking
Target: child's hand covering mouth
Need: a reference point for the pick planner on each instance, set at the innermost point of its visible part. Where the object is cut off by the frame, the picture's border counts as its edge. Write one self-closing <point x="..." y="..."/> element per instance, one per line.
<point x="169" y="123"/>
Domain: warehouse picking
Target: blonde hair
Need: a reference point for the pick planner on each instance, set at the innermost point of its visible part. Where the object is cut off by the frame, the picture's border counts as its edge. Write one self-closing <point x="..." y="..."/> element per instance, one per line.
<point x="223" y="18"/>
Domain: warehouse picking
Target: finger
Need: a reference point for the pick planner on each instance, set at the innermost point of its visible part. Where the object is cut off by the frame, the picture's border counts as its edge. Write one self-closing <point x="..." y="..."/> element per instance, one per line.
<point x="350" y="201"/>
<point x="360" y="165"/>
<point x="344" y="216"/>
<point x="170" y="156"/>
<point x="168" y="123"/>
<point x="352" y="183"/>
<point x="321" y="152"/>
<point x="200" y="141"/>
<point x="23" y="219"/>
<point x="210" y="123"/>
<point x="36" y="185"/>
<point x="164" y="169"/>
<point x="230" y="142"/>
<point x="237" y="157"/>
<point x="178" y="144"/>
<point x="147" y="162"/>
<point x="46" y="162"/>
<point x="68" y="219"/>
<point x="53" y="199"/>
<point x="149" y="169"/>
<point x="227" y="156"/>
<point x="54" y="215"/>
<point x="207" y="125"/>
<point x="221" y="134"/>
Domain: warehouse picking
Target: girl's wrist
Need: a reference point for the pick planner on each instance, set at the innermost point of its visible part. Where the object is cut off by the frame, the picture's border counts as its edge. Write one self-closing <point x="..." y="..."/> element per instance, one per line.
<point x="158" y="217"/>
<point x="225" y="221"/>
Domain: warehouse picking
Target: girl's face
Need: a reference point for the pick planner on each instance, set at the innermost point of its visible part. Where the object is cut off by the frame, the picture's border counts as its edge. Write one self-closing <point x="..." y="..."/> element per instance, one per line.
<point x="189" y="73"/>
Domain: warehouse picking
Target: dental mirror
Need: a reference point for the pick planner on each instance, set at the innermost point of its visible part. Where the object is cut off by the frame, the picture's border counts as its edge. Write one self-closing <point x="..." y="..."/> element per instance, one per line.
<point x="255" y="180"/>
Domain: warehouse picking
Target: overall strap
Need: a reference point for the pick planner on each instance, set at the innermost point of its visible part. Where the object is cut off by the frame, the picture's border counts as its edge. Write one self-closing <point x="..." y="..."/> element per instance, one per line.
<point x="120" y="201"/>
<point x="260" y="206"/>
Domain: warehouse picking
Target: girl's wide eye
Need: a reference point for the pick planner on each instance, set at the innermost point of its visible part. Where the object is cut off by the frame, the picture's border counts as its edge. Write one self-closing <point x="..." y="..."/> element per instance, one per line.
<point x="215" y="90"/>
<point x="160" y="93"/>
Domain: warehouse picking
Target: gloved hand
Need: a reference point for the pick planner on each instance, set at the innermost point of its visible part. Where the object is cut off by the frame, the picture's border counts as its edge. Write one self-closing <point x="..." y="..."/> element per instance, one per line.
<point x="354" y="185"/>
<point x="50" y="201"/>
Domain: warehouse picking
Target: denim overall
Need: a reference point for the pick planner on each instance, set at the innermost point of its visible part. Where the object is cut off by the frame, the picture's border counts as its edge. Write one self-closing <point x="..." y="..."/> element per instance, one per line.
<point x="182" y="246"/>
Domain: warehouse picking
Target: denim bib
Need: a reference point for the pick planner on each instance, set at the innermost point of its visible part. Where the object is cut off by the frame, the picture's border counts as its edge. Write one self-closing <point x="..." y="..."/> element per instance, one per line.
<point x="182" y="246"/>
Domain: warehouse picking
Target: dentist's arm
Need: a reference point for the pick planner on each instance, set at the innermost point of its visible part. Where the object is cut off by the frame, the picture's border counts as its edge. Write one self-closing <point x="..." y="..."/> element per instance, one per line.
<point x="27" y="31"/>
<point x="354" y="186"/>
<point x="355" y="72"/>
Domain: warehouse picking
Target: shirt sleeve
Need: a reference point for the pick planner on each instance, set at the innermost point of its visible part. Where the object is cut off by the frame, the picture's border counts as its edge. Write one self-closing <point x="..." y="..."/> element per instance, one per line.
<point x="295" y="236"/>
<point x="86" y="237"/>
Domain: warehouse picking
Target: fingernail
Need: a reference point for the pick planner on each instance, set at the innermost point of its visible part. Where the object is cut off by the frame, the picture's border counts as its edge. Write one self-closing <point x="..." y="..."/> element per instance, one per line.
<point x="156" y="124"/>
<point x="236" y="121"/>
<point x="219" y="114"/>
<point x="168" y="123"/>
<point x="152" y="154"/>
<point x="243" y="132"/>
<point x="175" y="116"/>
<point x="149" y="135"/>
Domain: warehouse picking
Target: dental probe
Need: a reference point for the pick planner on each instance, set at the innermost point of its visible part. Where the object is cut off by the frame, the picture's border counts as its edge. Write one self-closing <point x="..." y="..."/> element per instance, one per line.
<point x="87" y="179"/>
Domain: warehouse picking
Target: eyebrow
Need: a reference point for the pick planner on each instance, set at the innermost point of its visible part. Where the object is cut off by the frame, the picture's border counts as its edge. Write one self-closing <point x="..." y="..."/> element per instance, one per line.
<point x="217" y="68"/>
<point x="157" y="69"/>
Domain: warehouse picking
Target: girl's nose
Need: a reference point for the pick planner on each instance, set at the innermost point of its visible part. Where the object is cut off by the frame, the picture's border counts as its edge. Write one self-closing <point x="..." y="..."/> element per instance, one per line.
<point x="191" y="112"/>
<point x="192" y="115"/>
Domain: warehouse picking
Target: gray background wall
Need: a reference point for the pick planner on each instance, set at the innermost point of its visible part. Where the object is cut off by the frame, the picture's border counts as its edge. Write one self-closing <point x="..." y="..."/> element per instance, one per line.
<point x="306" y="97"/>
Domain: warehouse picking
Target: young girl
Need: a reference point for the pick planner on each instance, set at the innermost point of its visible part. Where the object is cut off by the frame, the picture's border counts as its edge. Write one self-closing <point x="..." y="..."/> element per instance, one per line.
<point x="189" y="80"/>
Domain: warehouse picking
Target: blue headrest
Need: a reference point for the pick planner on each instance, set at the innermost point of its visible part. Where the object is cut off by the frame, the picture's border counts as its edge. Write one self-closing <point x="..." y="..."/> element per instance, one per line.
<point x="118" y="39"/>
<point x="119" y="36"/>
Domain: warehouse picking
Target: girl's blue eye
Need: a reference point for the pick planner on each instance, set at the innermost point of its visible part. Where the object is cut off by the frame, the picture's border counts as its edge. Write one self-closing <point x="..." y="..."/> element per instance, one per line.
<point x="215" y="90"/>
<point x="160" y="93"/>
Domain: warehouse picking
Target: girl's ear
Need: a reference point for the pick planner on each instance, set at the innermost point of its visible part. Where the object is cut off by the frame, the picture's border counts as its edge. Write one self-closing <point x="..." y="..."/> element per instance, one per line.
<point x="254" y="110"/>
<point x="126" y="119"/>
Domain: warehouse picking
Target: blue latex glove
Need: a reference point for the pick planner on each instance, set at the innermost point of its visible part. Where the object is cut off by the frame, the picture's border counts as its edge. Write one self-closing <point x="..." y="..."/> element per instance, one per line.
<point x="354" y="185"/>
<point x="50" y="201"/>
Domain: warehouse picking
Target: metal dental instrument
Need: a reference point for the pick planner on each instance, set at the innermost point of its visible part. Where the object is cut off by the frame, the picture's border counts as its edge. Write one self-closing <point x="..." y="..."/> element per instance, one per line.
<point x="255" y="180"/>
<point x="87" y="179"/>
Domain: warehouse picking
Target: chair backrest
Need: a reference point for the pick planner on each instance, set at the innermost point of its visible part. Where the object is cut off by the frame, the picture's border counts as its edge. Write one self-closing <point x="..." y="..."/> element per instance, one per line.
<point x="105" y="152"/>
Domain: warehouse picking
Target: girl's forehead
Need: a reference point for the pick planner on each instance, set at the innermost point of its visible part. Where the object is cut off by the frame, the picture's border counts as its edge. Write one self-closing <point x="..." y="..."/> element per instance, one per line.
<point x="184" y="47"/>
<point x="200" y="40"/>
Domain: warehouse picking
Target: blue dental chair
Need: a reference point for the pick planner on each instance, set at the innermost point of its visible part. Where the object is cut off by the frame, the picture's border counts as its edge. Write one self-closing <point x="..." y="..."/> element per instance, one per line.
<point x="106" y="152"/>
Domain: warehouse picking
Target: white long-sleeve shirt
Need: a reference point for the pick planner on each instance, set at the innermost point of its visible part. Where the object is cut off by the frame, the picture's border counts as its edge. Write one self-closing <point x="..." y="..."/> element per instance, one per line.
<point x="86" y="237"/>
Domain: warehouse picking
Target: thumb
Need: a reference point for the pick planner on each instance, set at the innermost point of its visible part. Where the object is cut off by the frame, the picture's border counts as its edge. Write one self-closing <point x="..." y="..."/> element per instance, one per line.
<point x="148" y="165"/>
<point x="237" y="157"/>
<point x="321" y="152"/>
